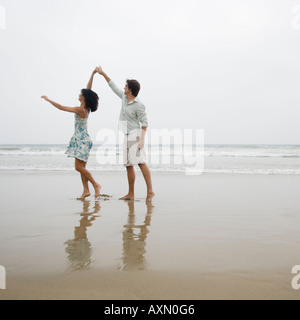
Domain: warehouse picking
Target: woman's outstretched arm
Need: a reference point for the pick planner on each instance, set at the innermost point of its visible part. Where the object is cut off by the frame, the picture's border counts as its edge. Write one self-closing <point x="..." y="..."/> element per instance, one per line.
<point x="60" y="107"/>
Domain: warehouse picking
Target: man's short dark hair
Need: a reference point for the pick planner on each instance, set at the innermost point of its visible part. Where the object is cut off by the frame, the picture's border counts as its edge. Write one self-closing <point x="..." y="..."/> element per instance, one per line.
<point x="134" y="86"/>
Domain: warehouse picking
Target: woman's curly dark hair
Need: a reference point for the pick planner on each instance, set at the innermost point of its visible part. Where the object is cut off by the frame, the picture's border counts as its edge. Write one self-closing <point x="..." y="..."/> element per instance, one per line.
<point x="91" y="99"/>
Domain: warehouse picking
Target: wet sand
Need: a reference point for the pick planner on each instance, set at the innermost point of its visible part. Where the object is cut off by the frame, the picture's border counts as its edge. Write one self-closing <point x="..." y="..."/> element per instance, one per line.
<point x="211" y="236"/>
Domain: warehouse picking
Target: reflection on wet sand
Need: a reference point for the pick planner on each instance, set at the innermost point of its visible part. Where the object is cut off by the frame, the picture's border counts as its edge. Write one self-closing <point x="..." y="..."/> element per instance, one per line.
<point x="134" y="240"/>
<point x="79" y="249"/>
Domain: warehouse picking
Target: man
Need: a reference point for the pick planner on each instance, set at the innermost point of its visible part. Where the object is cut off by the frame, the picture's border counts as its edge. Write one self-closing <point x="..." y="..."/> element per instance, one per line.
<point x="133" y="123"/>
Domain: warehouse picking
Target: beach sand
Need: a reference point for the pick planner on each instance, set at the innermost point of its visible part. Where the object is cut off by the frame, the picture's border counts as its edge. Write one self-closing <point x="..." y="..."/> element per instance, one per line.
<point x="212" y="236"/>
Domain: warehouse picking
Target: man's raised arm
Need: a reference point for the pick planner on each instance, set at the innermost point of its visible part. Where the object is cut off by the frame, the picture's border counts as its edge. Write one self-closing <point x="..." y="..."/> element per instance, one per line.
<point x="113" y="86"/>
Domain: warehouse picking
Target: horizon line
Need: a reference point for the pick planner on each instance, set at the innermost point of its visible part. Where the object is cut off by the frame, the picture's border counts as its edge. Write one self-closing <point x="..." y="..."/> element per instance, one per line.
<point x="223" y="144"/>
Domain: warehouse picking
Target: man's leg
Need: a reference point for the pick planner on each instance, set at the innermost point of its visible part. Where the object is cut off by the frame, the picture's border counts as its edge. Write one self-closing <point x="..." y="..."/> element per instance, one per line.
<point x="131" y="181"/>
<point x="147" y="176"/>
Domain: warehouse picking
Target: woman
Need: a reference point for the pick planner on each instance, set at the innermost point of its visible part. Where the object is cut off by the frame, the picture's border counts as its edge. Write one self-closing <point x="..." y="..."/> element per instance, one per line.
<point x="81" y="143"/>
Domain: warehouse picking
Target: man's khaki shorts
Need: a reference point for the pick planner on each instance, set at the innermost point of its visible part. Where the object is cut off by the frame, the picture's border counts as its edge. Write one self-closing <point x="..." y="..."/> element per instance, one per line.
<point x="132" y="155"/>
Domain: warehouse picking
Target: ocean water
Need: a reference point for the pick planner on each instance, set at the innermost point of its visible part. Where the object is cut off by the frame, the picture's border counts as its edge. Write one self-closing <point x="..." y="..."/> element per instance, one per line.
<point x="226" y="159"/>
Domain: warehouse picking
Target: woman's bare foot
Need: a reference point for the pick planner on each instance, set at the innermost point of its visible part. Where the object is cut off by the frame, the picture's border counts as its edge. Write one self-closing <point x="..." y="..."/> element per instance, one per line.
<point x="97" y="190"/>
<point x="84" y="195"/>
<point x="150" y="196"/>
<point x="127" y="197"/>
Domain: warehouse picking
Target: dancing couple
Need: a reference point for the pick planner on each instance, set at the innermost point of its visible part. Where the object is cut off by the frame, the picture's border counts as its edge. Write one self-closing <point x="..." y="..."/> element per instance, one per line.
<point x="132" y="122"/>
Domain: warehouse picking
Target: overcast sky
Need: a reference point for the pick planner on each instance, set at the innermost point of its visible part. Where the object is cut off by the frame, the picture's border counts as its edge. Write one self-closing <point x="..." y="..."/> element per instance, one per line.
<point x="228" y="67"/>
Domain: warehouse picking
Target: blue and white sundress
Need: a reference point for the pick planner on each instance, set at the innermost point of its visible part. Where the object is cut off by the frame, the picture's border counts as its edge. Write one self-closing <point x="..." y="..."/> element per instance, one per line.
<point x="80" y="144"/>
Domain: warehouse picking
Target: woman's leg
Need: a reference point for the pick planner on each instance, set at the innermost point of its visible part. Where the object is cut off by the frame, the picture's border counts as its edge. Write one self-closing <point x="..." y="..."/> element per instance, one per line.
<point x="85" y="182"/>
<point x="80" y="166"/>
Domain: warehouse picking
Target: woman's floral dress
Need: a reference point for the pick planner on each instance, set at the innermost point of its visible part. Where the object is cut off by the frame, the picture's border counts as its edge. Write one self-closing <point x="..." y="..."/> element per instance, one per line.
<point x="80" y="144"/>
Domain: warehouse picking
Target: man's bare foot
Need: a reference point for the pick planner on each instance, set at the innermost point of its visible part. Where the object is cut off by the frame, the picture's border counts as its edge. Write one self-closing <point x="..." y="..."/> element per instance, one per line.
<point x="127" y="197"/>
<point x="150" y="196"/>
<point x="97" y="190"/>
